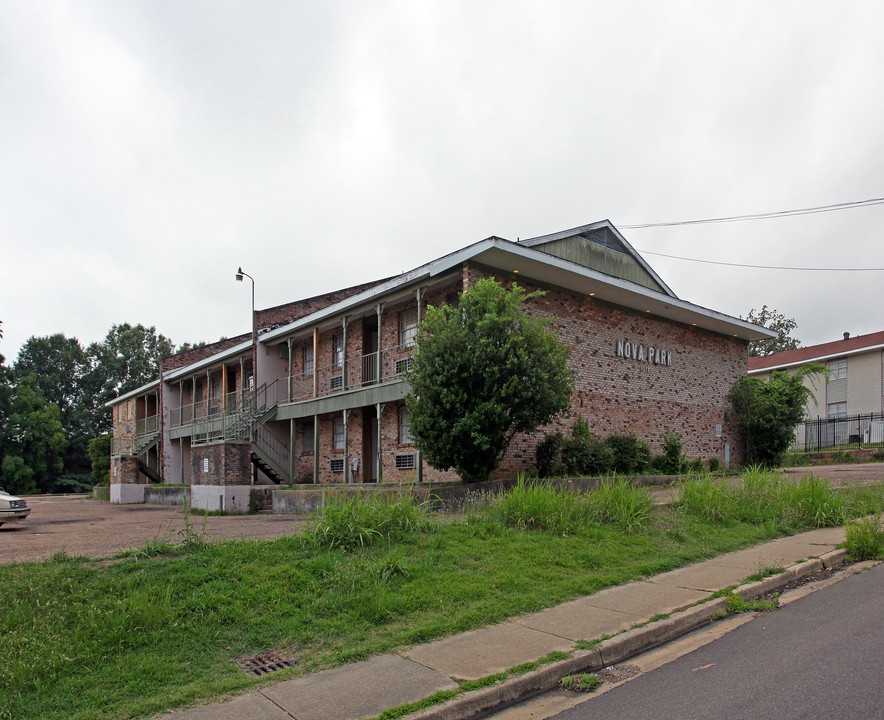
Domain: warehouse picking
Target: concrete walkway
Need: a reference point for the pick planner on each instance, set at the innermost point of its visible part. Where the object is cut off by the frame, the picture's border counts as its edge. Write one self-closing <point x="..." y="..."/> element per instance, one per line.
<point x="365" y="689"/>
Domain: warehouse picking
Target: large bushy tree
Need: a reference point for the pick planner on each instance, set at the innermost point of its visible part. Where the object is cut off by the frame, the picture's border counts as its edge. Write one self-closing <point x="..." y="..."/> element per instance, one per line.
<point x="33" y="442"/>
<point x="126" y="359"/>
<point x="780" y="324"/>
<point x="484" y="370"/>
<point x="59" y="365"/>
<point x="768" y="410"/>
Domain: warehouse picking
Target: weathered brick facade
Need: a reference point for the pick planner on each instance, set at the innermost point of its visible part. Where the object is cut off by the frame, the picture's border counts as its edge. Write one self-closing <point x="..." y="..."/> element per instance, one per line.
<point x="636" y="372"/>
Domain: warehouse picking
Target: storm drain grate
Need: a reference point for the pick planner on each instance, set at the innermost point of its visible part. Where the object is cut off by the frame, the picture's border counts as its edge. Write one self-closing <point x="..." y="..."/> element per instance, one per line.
<point x="265" y="663"/>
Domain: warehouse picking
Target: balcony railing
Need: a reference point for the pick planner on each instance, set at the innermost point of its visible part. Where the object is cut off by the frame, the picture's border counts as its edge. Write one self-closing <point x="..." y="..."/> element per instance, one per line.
<point x="362" y="371"/>
<point x="147" y="426"/>
<point x="233" y="402"/>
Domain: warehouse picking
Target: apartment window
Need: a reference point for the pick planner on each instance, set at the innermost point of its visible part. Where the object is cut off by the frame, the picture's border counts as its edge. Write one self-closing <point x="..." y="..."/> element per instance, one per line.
<point x="338" y="433"/>
<point x="198" y="389"/>
<point x="308" y="360"/>
<point x="408" y="326"/>
<point x="338" y="350"/>
<point x="837" y="410"/>
<point x="838" y="369"/>
<point x="216" y="388"/>
<point x="307" y="440"/>
<point x="404" y="426"/>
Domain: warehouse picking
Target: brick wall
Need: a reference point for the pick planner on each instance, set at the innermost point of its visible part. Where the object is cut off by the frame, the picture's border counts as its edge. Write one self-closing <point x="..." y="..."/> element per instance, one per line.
<point x="229" y="464"/>
<point x="639" y="397"/>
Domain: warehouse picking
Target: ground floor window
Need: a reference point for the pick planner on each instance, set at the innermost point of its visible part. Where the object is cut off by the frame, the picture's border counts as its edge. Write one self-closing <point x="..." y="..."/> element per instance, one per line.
<point x="404" y="426"/>
<point x="338" y="433"/>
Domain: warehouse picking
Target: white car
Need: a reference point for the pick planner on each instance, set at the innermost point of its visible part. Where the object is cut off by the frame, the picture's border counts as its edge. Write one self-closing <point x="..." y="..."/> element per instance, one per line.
<point x="12" y="508"/>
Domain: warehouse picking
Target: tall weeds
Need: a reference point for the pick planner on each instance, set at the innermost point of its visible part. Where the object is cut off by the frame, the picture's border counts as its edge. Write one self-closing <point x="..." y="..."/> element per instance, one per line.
<point x="763" y="496"/>
<point x="363" y="519"/>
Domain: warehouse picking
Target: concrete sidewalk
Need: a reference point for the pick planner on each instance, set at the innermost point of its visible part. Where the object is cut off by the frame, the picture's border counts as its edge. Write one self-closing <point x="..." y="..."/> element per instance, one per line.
<point x="365" y="689"/>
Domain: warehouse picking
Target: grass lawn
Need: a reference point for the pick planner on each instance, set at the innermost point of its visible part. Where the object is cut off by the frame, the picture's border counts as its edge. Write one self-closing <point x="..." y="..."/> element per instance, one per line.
<point x="160" y="628"/>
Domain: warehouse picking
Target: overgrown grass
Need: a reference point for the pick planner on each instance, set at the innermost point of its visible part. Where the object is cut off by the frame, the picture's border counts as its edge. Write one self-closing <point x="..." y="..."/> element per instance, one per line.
<point x="540" y="506"/>
<point x="139" y="635"/>
<point x="765" y="496"/>
<point x="865" y="538"/>
<point x="361" y="520"/>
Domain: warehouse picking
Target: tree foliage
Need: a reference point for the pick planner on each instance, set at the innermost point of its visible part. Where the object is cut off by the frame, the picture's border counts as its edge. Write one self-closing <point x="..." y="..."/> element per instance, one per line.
<point x="99" y="454"/>
<point x="127" y="358"/>
<point x="780" y="324"/>
<point x="484" y="371"/>
<point x="33" y="441"/>
<point x="767" y="412"/>
<point x="55" y="379"/>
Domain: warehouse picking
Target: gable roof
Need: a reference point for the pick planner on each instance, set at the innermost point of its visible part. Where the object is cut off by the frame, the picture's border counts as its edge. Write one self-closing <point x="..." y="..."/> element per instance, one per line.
<point x="600" y="246"/>
<point x="537" y="265"/>
<point x="817" y="353"/>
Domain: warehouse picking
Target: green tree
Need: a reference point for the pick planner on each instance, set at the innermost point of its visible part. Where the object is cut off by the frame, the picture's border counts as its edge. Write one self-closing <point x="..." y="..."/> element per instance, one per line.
<point x="126" y="359"/>
<point x="484" y="371"/>
<point x="99" y="452"/>
<point x="33" y="442"/>
<point x="59" y="365"/>
<point x="780" y="324"/>
<point x="767" y="412"/>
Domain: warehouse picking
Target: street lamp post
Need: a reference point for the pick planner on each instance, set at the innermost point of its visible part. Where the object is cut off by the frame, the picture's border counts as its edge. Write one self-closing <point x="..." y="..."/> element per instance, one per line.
<point x="239" y="276"/>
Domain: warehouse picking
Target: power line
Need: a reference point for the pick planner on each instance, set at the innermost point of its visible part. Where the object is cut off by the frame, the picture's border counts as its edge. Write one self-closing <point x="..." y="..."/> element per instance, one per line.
<point x="762" y="216"/>
<point x="761" y="267"/>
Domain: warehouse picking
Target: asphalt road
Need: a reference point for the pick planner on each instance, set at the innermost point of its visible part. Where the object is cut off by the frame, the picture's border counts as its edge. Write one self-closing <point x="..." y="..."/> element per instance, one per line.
<point x="821" y="656"/>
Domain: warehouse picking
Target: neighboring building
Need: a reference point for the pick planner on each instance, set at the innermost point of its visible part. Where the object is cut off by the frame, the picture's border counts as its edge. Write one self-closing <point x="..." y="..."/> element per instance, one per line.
<point x="855" y="370"/>
<point x="846" y="403"/>
<point x="320" y="397"/>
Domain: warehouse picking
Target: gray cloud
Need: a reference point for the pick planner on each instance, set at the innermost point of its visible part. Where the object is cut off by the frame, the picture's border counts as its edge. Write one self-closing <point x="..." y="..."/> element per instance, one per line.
<point x="151" y="148"/>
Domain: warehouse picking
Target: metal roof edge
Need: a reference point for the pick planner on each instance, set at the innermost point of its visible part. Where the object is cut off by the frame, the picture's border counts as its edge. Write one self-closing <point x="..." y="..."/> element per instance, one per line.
<point x="207" y="361"/>
<point x="818" y="358"/>
<point x="132" y="393"/>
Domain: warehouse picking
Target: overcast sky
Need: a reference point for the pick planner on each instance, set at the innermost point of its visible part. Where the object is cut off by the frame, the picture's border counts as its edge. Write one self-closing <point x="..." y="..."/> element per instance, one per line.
<point x="149" y="148"/>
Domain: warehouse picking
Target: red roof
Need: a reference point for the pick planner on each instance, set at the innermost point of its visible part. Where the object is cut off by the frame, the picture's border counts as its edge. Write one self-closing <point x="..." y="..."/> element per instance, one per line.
<point x="816" y="352"/>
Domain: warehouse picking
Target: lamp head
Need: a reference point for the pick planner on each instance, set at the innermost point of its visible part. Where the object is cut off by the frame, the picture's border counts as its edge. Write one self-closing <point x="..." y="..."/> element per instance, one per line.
<point x="239" y="275"/>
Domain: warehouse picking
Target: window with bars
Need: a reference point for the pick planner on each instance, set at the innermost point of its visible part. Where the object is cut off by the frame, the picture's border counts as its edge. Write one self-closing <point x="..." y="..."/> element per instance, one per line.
<point x="404" y="462"/>
<point x="337" y="465"/>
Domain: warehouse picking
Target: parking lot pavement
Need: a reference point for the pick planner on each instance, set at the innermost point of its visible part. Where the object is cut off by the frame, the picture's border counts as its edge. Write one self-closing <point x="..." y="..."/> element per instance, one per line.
<point x="79" y="525"/>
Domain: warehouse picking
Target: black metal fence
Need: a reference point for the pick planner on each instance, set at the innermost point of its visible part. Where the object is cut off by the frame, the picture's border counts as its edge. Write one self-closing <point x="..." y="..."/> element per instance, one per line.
<point x="852" y="431"/>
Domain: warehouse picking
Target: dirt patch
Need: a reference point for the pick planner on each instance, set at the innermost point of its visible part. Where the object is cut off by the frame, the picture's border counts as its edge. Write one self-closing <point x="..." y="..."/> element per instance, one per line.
<point x="82" y="526"/>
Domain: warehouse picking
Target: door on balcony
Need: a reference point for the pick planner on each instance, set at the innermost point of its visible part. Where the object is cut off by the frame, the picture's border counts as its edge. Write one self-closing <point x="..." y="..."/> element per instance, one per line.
<point x="369" y="350"/>
<point x="369" y="444"/>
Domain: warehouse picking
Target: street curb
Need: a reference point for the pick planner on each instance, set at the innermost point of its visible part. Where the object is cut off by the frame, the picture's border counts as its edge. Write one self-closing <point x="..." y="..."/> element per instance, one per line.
<point x="616" y="649"/>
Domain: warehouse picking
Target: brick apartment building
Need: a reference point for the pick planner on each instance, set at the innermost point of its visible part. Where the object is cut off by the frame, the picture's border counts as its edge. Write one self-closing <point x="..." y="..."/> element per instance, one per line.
<point x="319" y="397"/>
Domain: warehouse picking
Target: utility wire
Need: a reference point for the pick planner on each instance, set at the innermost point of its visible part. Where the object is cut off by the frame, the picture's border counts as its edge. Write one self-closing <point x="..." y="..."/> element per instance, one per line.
<point x="761" y="267"/>
<point x="762" y="216"/>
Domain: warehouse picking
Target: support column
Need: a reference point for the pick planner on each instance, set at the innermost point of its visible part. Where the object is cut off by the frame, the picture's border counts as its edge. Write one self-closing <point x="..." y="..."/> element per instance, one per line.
<point x="291" y="444"/>
<point x="224" y="386"/>
<point x="344" y="355"/>
<point x="315" y="362"/>
<point x="290" y="371"/>
<point x="315" y="441"/>
<point x="380" y="362"/>
<point x="378" y="459"/>
<point x="193" y="398"/>
<point x="346" y="414"/>
<point x="242" y="383"/>
<point x="419" y="464"/>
